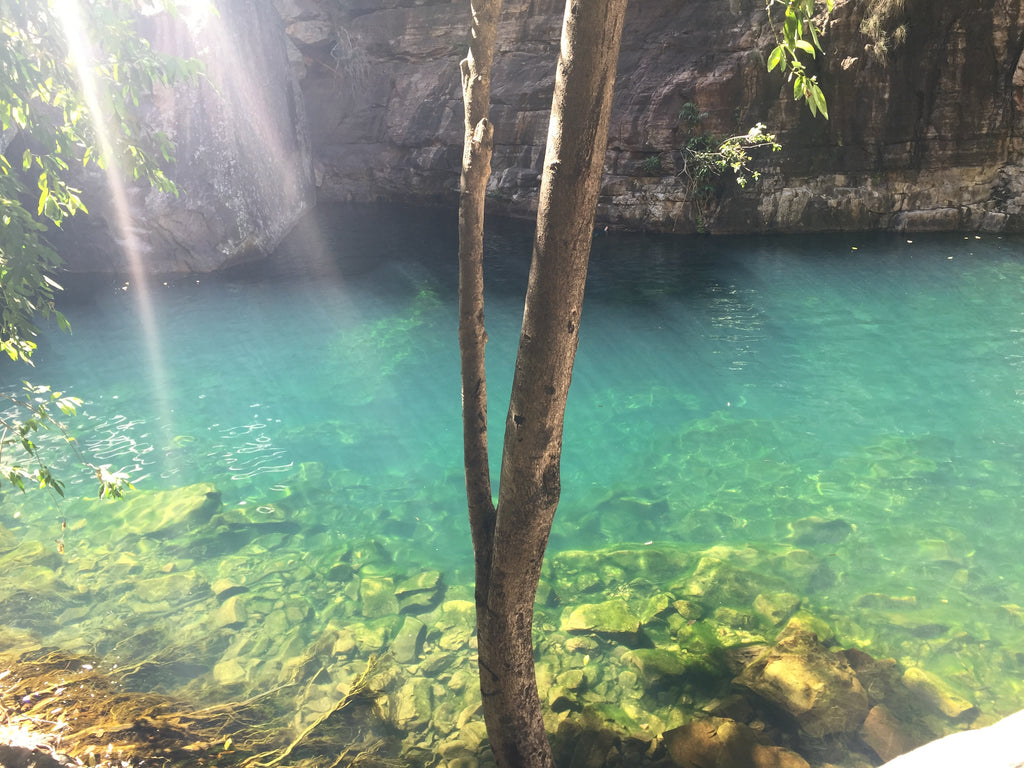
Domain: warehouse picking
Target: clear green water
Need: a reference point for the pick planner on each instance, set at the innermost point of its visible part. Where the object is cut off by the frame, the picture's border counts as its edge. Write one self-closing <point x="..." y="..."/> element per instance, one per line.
<point x="724" y="390"/>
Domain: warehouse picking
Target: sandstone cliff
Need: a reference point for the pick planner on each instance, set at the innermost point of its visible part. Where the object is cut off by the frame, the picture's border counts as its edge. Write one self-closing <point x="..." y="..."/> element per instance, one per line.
<point x="925" y="99"/>
<point x="242" y="154"/>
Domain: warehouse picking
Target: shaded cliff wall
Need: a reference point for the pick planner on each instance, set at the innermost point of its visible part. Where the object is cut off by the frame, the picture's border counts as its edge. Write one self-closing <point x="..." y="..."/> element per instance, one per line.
<point x="925" y="99"/>
<point x="242" y="154"/>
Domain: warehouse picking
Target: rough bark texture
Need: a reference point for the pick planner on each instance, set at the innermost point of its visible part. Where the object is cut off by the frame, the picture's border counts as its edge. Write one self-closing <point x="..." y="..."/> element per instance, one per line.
<point x="530" y="484"/>
<point x="924" y="131"/>
<point x="476" y="169"/>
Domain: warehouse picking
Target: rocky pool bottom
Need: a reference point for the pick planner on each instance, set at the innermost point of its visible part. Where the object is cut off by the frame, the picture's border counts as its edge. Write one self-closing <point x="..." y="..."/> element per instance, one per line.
<point x="251" y="634"/>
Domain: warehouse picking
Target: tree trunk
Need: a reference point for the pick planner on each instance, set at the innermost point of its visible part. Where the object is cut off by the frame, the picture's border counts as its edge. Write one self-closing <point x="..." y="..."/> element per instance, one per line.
<point x="476" y="169"/>
<point x="509" y="544"/>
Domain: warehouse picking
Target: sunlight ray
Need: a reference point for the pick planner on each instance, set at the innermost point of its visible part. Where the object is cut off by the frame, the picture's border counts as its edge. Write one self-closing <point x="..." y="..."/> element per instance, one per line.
<point x="82" y="59"/>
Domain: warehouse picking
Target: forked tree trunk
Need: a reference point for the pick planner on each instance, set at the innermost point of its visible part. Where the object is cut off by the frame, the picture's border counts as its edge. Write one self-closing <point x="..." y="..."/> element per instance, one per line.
<point x="509" y="541"/>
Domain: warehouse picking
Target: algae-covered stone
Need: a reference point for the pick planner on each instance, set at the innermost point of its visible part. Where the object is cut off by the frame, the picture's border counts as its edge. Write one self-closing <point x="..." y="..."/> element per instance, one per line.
<point x="724" y="743"/>
<point x="655" y="606"/>
<point x="412" y="704"/>
<point x="935" y="691"/>
<point x="230" y="613"/>
<point x="377" y="597"/>
<point x="167" y="512"/>
<point x="371" y="637"/>
<point x="224" y="588"/>
<point x="8" y="541"/>
<point x="573" y="679"/>
<point x="229" y="672"/>
<point x="877" y="601"/>
<point x="776" y="607"/>
<point x="455" y="624"/>
<point x="819" y="532"/>
<point x="612" y="617"/>
<point x="408" y="642"/>
<point x="344" y="643"/>
<point x="728" y="575"/>
<point x="425" y="580"/>
<point x="656" y="664"/>
<point x="169" y="587"/>
<point x="803" y="678"/>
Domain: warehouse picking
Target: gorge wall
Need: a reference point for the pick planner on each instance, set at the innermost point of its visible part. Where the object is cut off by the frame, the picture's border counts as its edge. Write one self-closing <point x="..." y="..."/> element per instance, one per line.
<point x="242" y="156"/>
<point x="925" y="99"/>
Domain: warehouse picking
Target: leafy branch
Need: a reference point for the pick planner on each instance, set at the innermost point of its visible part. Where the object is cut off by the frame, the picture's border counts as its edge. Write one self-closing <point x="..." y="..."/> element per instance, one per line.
<point x="799" y="35"/>
<point x="19" y="427"/>
<point x="706" y="157"/>
<point x="45" y="112"/>
<point x="71" y="79"/>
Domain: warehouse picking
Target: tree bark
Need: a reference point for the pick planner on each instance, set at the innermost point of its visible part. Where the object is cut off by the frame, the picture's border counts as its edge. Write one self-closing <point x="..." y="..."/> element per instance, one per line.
<point x="530" y="473"/>
<point x="476" y="169"/>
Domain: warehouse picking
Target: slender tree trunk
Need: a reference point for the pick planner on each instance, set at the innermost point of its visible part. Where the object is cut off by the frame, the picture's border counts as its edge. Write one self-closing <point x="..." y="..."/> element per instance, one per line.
<point x="476" y="169"/>
<point x="509" y="542"/>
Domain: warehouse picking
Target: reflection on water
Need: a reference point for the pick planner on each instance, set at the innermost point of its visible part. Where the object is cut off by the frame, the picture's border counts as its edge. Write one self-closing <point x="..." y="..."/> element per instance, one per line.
<point x="758" y="429"/>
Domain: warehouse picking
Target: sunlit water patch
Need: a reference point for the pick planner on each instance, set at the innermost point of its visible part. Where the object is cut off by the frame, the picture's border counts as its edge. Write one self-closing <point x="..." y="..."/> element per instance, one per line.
<point x="834" y="420"/>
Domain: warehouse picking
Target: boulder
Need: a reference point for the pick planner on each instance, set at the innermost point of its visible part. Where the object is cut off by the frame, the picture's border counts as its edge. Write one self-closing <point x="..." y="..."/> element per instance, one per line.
<point x="613" y="618"/>
<point x="377" y="597"/>
<point x="935" y="691"/>
<point x="819" y="532"/>
<point x="802" y="678"/>
<point x="724" y="743"/>
<point x="408" y="642"/>
<point x="170" y="587"/>
<point x="656" y="664"/>
<point x="887" y="735"/>
<point x="230" y="613"/>
<point x="776" y="607"/>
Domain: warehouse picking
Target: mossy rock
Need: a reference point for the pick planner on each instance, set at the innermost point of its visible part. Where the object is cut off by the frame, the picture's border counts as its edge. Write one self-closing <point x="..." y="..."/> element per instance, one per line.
<point x="165" y="513"/>
<point x="377" y="597"/>
<point x="819" y="532"/>
<point x="612" y="618"/>
<point x="802" y="678"/>
<point x="656" y="664"/>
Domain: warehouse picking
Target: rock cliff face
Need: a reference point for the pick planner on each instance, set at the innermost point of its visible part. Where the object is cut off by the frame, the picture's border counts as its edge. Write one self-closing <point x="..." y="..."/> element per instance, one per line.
<point x="925" y="100"/>
<point x="242" y="154"/>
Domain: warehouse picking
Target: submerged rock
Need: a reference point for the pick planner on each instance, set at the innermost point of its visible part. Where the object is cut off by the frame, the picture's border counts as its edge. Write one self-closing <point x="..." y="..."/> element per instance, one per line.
<point x="377" y="596"/>
<point x="889" y="736"/>
<point x="818" y="532"/>
<point x="164" y="513"/>
<point x="408" y="642"/>
<point x="724" y="743"/>
<point x="612" y="617"/>
<point x="8" y="540"/>
<point x="804" y="679"/>
<point x="656" y="664"/>
<point x="936" y="692"/>
<point x="776" y="607"/>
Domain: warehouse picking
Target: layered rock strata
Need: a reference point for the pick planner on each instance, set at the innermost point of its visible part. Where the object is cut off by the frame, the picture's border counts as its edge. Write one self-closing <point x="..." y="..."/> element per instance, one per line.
<point x="925" y="102"/>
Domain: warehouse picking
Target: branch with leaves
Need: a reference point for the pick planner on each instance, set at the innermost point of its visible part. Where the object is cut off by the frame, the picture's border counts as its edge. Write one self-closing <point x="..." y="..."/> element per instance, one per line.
<point x="72" y="76"/>
<point x="799" y="35"/>
<point x="705" y="157"/>
<point x="27" y="417"/>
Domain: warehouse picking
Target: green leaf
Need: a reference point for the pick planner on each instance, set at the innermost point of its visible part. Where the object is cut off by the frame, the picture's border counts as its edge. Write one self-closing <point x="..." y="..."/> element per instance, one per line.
<point x="775" y="57"/>
<point x="803" y="45"/>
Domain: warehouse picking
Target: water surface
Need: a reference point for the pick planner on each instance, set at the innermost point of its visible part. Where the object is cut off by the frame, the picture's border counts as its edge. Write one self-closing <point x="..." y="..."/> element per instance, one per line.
<point x="726" y="391"/>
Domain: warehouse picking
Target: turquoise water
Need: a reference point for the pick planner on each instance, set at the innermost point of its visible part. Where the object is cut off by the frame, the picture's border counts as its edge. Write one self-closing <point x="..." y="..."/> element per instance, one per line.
<point x="725" y="390"/>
